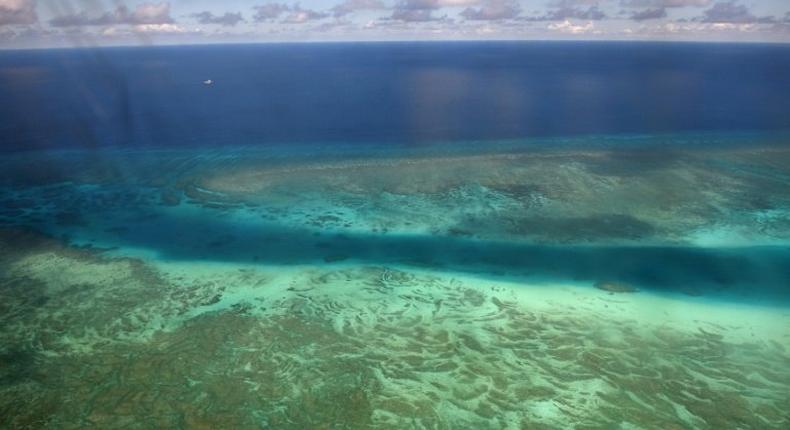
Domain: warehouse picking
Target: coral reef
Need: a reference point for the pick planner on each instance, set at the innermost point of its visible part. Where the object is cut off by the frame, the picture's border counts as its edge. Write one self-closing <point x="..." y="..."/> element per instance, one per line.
<point x="247" y="289"/>
<point x="97" y="342"/>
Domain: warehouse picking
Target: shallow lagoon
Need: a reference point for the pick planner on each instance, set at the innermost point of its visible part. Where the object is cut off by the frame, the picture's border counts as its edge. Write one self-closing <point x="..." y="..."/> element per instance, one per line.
<point x="598" y="282"/>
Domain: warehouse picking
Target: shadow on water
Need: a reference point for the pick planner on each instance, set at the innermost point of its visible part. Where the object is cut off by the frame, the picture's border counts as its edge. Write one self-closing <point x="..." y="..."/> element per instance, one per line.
<point x="753" y="274"/>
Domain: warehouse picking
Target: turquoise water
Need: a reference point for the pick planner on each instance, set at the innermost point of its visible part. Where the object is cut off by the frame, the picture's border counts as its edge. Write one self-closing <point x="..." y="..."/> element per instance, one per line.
<point x="596" y="282"/>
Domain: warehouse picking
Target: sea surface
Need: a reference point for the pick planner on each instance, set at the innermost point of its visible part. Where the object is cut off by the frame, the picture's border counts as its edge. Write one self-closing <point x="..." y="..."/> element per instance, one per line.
<point x="499" y="235"/>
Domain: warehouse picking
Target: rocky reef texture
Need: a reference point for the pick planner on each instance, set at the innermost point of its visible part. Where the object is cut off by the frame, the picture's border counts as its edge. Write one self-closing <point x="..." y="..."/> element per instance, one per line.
<point x="671" y="190"/>
<point x="636" y="194"/>
<point x="435" y="288"/>
<point x="91" y="341"/>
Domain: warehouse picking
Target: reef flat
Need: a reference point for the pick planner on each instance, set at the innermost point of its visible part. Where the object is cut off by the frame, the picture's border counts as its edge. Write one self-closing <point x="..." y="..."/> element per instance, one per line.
<point x="97" y="342"/>
<point x="608" y="282"/>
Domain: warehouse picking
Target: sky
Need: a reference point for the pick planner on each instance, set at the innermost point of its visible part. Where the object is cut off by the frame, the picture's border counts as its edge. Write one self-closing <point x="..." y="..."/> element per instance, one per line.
<point x="64" y="23"/>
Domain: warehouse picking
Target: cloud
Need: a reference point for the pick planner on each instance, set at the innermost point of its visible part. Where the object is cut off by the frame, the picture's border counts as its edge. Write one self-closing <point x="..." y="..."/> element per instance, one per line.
<point x="422" y="10"/>
<point x="493" y="10"/>
<point x="14" y="12"/>
<point x="415" y="10"/>
<point x="656" y="4"/>
<point x="11" y="34"/>
<point x="293" y="14"/>
<point x="125" y="32"/>
<point x="228" y="19"/>
<point x="350" y="6"/>
<point x="699" y="28"/>
<point x="657" y="9"/>
<point x="298" y="15"/>
<point x="646" y="14"/>
<point x="152" y="13"/>
<point x="592" y="13"/>
<point x="166" y="28"/>
<point x="270" y="11"/>
<point x="563" y="4"/>
<point x="570" y="28"/>
<point x="413" y="15"/>
<point x="450" y="3"/>
<point x="572" y="3"/>
<point x="144" y="14"/>
<point x="733" y="13"/>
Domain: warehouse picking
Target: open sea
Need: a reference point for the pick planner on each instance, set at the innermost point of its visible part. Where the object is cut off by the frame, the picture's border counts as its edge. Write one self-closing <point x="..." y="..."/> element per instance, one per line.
<point x="454" y="235"/>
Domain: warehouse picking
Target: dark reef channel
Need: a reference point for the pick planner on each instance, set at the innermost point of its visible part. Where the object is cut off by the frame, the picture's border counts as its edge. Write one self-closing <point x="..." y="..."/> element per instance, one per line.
<point x="734" y="273"/>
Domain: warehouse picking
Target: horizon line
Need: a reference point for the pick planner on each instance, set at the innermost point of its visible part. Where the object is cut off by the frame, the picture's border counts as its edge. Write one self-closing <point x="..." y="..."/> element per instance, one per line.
<point x="402" y="41"/>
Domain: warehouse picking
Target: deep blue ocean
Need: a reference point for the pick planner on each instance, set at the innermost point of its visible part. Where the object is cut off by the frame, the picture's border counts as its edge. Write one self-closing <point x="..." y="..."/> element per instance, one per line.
<point x="403" y="93"/>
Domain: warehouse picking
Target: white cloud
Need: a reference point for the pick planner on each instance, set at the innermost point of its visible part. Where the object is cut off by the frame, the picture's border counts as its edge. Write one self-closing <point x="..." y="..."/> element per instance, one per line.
<point x="300" y="16"/>
<point x="160" y="28"/>
<point x="704" y="28"/>
<point x="119" y="20"/>
<point x="570" y="28"/>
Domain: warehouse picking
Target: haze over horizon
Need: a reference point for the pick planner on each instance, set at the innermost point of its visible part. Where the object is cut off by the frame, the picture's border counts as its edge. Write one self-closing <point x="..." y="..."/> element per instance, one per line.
<point x="65" y="23"/>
